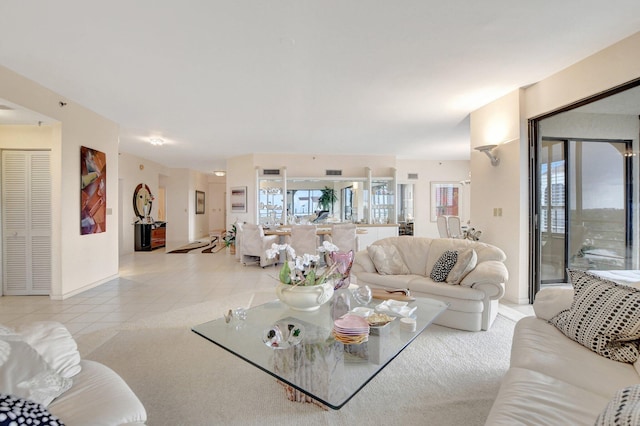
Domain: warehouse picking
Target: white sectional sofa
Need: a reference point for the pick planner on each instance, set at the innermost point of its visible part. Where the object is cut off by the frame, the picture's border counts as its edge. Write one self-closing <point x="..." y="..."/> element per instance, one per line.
<point x="39" y="362"/>
<point x="552" y="379"/>
<point x="473" y="297"/>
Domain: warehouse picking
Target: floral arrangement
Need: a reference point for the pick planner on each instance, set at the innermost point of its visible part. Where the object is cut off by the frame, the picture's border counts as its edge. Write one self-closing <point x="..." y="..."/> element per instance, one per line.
<point x="303" y="270"/>
<point x="230" y="236"/>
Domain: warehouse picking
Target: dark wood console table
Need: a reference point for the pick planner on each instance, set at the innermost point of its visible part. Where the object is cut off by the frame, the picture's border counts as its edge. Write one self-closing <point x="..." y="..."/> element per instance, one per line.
<point x="150" y="236"/>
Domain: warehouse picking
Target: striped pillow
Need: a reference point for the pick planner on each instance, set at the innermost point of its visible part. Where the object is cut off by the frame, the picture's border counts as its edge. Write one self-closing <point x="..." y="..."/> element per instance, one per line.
<point x="604" y="317"/>
<point x="623" y="409"/>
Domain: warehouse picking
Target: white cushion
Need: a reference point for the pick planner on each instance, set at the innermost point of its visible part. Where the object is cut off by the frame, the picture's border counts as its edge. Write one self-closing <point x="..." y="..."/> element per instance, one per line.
<point x="99" y="396"/>
<point x="485" y="252"/>
<point x="604" y="317"/>
<point x="550" y="301"/>
<point x="55" y="344"/>
<point x="387" y="260"/>
<point x="528" y="397"/>
<point x="538" y="345"/>
<point x="26" y="374"/>
<point x="467" y="260"/>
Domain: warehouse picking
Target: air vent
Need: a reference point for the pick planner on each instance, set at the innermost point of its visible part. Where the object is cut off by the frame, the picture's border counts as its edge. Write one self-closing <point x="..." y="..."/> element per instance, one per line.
<point x="333" y="172"/>
<point x="412" y="176"/>
<point x="271" y="172"/>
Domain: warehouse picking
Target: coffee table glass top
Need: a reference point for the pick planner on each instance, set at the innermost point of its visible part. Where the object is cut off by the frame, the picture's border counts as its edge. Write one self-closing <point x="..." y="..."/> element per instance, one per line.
<point x="316" y="364"/>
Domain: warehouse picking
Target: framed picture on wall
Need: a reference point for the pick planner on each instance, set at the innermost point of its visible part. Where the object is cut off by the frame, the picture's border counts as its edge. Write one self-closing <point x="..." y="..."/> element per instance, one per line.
<point x="93" y="191"/>
<point x="199" y="202"/>
<point x="445" y="199"/>
<point x="239" y="199"/>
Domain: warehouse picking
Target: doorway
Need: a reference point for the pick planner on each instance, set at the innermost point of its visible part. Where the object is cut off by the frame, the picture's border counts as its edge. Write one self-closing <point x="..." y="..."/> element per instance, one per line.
<point x="584" y="198"/>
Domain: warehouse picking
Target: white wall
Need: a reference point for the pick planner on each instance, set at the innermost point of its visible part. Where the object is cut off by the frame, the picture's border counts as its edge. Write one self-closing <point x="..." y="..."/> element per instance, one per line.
<point x="506" y="185"/>
<point x="132" y="172"/>
<point x="79" y="261"/>
<point x="435" y="171"/>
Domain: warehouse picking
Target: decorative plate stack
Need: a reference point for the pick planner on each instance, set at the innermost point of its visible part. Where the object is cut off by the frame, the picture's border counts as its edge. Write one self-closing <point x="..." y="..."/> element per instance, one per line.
<point x="351" y="329"/>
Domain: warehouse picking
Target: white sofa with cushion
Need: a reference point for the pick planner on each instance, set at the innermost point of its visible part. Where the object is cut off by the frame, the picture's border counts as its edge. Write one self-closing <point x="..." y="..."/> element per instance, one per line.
<point x="554" y="379"/>
<point x="471" y="280"/>
<point x="41" y="370"/>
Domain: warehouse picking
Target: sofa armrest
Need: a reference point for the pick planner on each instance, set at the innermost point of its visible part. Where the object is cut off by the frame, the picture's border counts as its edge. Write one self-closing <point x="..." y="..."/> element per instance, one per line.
<point x="487" y="272"/>
<point x="362" y="263"/>
<point x="492" y="291"/>
<point x="552" y="300"/>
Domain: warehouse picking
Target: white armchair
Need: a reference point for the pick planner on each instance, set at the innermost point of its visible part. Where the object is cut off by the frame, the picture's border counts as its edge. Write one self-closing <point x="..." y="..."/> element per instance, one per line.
<point x="255" y="245"/>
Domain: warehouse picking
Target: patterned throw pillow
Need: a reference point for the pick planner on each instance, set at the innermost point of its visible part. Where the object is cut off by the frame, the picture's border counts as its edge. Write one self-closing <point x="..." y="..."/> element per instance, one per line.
<point x="18" y="411"/>
<point x="443" y="266"/>
<point x="604" y="317"/>
<point x="623" y="409"/>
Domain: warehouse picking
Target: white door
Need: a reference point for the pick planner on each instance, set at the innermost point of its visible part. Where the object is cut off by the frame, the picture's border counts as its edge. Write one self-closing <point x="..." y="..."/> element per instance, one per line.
<point x="26" y="223"/>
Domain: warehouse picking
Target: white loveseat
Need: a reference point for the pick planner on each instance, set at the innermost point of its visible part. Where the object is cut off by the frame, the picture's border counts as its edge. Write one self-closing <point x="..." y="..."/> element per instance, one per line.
<point x="553" y="380"/>
<point x="44" y="356"/>
<point x="473" y="303"/>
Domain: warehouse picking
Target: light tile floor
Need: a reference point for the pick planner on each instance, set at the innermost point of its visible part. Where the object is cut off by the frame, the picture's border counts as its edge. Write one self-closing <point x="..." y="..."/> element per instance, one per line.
<point x="150" y="283"/>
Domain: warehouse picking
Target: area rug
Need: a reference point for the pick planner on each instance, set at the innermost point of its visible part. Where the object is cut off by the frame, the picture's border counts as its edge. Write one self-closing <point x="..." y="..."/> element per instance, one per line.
<point x="215" y="247"/>
<point x="445" y="377"/>
<point x="191" y="246"/>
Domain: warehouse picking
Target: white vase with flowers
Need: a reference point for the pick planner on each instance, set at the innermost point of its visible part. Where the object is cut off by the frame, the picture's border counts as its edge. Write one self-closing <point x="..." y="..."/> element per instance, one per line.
<point x="304" y="284"/>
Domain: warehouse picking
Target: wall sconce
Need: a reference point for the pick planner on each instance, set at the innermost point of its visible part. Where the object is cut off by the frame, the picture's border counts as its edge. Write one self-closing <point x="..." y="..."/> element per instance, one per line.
<point x="487" y="149"/>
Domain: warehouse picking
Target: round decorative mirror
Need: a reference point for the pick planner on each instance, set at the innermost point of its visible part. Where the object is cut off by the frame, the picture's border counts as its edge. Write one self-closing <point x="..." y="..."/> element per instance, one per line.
<point x="142" y="201"/>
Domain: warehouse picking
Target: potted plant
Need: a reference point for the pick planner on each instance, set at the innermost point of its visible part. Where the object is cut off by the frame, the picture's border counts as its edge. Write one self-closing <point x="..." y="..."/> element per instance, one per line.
<point x="230" y="239"/>
<point x="327" y="198"/>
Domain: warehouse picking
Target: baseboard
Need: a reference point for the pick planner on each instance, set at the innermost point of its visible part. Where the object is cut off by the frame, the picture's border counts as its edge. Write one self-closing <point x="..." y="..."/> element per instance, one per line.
<point x="85" y="288"/>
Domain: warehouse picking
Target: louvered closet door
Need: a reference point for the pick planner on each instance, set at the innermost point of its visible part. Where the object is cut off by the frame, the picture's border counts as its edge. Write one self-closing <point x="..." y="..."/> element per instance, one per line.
<point x="26" y="222"/>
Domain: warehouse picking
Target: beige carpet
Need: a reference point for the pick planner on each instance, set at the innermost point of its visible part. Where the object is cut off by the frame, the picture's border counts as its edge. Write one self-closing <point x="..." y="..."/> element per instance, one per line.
<point x="445" y="377"/>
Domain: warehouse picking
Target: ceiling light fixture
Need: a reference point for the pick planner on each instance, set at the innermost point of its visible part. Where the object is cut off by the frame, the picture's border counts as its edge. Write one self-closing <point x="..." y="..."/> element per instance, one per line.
<point x="219" y="173"/>
<point x="156" y="141"/>
<point x="487" y="150"/>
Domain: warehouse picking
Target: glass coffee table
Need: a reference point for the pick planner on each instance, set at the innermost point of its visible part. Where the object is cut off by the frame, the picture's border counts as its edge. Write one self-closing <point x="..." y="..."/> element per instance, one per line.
<point x="313" y="364"/>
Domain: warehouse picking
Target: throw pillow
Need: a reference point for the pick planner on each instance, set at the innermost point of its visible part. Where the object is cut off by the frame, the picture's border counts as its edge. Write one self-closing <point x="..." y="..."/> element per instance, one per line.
<point x="623" y="409"/>
<point x="604" y="317"/>
<point x="55" y="344"/>
<point x="467" y="260"/>
<point x="18" y="411"/>
<point x="387" y="260"/>
<point x="443" y="266"/>
<point x="26" y="374"/>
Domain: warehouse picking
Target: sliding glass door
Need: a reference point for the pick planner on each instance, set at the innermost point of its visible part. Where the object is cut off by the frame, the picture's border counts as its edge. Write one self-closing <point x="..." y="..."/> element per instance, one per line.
<point x="583" y="193"/>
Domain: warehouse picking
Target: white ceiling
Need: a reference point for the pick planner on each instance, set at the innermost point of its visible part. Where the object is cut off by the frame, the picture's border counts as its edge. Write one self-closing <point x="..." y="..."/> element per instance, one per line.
<point x="218" y="78"/>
